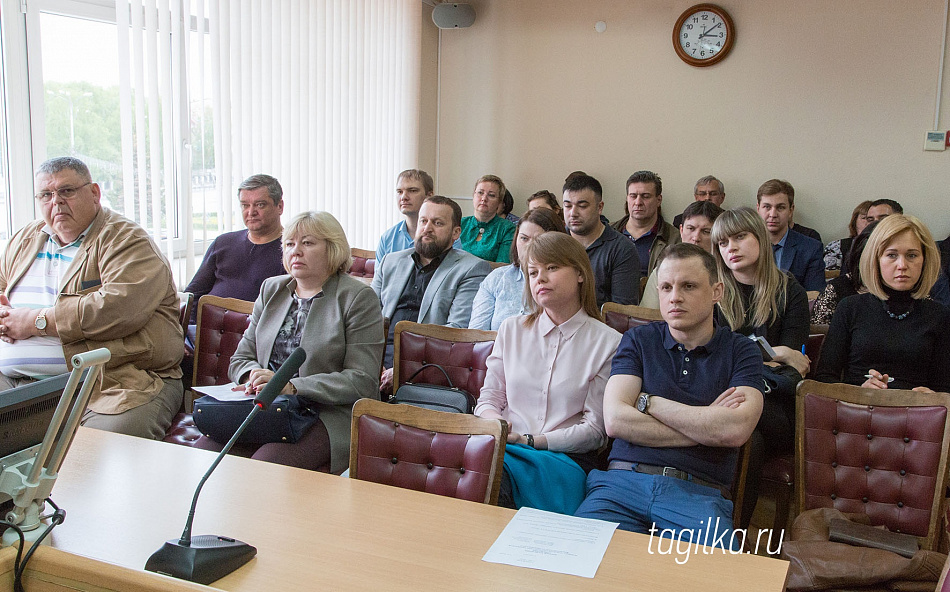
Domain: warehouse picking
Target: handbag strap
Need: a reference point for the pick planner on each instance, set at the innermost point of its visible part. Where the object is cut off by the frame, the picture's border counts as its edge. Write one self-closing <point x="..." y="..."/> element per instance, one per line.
<point x="424" y="366"/>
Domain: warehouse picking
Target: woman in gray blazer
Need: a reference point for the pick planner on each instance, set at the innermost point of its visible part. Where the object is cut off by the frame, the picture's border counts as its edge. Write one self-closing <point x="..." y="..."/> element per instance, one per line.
<point x="336" y="319"/>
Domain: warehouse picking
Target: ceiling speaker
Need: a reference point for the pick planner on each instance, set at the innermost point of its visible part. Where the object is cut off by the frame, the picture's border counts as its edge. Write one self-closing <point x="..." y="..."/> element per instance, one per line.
<point x="453" y="16"/>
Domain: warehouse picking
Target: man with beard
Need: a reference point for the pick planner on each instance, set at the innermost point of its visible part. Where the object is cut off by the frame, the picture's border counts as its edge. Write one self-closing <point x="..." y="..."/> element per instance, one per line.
<point x="432" y="282"/>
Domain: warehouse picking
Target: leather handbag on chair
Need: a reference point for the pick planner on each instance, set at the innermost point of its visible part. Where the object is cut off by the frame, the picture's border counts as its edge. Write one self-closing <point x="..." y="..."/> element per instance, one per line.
<point x="286" y="420"/>
<point x="432" y="396"/>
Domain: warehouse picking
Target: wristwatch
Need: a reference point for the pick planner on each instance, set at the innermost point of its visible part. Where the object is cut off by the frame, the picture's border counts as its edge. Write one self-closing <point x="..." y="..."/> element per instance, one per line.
<point x="40" y="322"/>
<point x="530" y="439"/>
<point x="643" y="403"/>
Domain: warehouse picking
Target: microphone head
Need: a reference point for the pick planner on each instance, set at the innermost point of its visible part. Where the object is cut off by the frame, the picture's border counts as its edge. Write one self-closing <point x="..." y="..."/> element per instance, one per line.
<point x="280" y="379"/>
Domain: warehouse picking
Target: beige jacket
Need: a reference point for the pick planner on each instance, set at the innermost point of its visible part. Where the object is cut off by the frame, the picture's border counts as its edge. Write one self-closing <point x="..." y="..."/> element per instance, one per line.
<point x="118" y="293"/>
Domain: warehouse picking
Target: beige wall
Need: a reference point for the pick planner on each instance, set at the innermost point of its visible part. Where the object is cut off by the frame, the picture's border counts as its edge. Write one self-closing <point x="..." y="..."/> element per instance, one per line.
<point x="832" y="95"/>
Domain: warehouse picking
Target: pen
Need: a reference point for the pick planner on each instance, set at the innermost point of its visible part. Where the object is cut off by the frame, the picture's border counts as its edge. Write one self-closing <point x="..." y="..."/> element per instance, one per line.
<point x="889" y="378"/>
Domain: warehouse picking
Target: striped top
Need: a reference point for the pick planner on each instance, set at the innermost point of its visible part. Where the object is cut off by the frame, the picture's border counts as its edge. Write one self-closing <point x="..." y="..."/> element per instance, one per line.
<point x="39" y="357"/>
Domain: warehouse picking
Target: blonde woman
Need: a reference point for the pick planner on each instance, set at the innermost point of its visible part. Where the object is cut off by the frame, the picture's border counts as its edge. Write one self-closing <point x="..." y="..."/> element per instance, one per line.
<point x="893" y="336"/>
<point x="546" y="378"/>
<point x="336" y="319"/>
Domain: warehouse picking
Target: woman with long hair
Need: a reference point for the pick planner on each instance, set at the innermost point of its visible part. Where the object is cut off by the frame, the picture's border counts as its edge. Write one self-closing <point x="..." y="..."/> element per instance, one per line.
<point x="893" y="336"/>
<point x="760" y="300"/>
<point x="500" y="294"/>
<point x="546" y="378"/>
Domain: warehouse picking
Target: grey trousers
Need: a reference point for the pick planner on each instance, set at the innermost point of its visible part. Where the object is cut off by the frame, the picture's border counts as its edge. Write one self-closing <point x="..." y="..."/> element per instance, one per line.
<point x="150" y="420"/>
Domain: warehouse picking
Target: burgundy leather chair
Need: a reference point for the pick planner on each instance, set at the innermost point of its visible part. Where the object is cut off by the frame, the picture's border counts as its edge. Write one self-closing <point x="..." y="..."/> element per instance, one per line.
<point x="462" y="352"/>
<point x="364" y="263"/>
<point x="623" y="317"/>
<point x="882" y="453"/>
<point x="451" y="454"/>
<point x="221" y="325"/>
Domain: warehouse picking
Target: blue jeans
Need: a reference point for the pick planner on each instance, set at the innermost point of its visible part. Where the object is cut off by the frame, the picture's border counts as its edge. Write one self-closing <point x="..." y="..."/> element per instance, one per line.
<point x="640" y="502"/>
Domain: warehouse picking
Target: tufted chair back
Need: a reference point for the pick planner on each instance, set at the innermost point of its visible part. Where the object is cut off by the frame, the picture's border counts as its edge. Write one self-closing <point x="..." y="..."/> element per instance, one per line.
<point x="623" y="317"/>
<point x="364" y="263"/>
<point x="878" y="452"/>
<point x="450" y="454"/>
<point x="462" y="352"/>
<point x="221" y="325"/>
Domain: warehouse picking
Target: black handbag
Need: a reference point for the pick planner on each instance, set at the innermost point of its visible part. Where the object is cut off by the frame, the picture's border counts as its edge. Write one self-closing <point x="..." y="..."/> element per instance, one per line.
<point x="285" y="421"/>
<point x="432" y="396"/>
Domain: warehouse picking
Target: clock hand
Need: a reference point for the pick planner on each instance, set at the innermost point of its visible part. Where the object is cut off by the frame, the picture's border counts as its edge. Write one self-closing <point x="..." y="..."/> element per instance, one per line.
<point x="709" y="32"/>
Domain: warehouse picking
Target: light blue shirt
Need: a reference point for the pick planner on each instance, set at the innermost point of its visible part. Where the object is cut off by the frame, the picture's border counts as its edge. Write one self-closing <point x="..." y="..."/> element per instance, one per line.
<point x="501" y="295"/>
<point x="779" y="250"/>
<point x="397" y="239"/>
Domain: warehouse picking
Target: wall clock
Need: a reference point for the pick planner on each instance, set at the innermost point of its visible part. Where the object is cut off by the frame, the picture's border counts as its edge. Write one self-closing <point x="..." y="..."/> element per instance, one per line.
<point x="703" y="35"/>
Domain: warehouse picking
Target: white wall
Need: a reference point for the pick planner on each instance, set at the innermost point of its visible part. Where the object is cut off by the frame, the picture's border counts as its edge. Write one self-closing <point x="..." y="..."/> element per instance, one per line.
<point x="832" y="95"/>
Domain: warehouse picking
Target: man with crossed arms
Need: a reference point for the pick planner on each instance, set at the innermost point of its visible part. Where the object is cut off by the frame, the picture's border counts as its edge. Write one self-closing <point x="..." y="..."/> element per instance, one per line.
<point x="681" y="399"/>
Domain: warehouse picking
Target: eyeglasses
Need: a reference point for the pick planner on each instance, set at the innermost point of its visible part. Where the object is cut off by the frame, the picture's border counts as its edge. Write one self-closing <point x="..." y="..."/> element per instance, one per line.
<point x="63" y="192"/>
<point x="708" y="193"/>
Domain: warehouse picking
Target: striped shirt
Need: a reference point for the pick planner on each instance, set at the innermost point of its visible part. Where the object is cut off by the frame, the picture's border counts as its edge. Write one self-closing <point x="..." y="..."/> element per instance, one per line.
<point x="37" y="356"/>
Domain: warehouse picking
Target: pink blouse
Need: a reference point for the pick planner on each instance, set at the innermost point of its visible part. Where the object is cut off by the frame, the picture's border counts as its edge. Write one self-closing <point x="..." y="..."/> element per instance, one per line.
<point x="550" y="379"/>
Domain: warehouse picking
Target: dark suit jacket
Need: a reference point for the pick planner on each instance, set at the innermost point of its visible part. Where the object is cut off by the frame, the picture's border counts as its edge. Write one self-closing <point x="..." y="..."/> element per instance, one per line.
<point x="803" y="257"/>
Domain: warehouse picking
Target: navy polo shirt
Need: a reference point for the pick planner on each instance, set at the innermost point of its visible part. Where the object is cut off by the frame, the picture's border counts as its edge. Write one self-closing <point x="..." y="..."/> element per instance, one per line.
<point x="692" y="377"/>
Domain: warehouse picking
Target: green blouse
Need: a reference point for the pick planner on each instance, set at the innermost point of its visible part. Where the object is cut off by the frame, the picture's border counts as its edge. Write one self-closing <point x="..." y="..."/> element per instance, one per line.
<point x="489" y="240"/>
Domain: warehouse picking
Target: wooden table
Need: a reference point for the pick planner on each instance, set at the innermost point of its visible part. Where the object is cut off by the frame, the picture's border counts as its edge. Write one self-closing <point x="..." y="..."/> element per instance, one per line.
<point x="125" y="496"/>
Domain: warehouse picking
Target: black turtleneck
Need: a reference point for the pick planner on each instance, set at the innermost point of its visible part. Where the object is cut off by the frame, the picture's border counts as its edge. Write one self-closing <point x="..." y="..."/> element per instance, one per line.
<point x="907" y="339"/>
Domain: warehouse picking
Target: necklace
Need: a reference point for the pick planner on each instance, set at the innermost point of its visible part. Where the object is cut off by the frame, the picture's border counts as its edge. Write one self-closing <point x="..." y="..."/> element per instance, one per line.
<point x="898" y="317"/>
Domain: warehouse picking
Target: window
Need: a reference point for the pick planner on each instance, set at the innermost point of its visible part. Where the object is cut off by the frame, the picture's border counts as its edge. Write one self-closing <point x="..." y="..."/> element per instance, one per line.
<point x="5" y="222"/>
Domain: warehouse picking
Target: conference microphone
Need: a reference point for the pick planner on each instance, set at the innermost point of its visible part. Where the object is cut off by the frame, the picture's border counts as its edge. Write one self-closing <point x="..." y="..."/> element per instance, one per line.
<point x="283" y="375"/>
<point x="206" y="558"/>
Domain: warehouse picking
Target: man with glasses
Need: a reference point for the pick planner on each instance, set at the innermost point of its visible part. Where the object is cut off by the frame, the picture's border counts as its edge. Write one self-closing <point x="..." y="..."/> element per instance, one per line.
<point x="84" y="278"/>
<point x="707" y="188"/>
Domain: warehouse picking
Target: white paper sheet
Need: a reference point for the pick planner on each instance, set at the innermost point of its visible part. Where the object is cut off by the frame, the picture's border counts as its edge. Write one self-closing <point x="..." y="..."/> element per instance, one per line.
<point x="552" y="542"/>
<point x="222" y="392"/>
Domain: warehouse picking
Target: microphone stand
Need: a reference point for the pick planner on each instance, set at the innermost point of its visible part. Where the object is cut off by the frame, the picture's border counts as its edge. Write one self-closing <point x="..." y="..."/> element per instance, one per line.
<point x="207" y="558"/>
<point x="204" y="558"/>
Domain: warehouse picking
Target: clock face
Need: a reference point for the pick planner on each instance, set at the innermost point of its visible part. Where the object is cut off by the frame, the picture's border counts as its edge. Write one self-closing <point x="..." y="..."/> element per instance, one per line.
<point x="704" y="35"/>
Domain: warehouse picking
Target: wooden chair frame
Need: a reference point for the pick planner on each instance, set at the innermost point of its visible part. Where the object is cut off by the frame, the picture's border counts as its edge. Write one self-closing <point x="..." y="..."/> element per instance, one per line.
<point x="436" y="421"/>
<point x="739" y="481"/>
<point x="235" y="304"/>
<point x="632" y="310"/>
<point x="364" y="253"/>
<point x="436" y="332"/>
<point x="875" y="398"/>
<point x="186" y="305"/>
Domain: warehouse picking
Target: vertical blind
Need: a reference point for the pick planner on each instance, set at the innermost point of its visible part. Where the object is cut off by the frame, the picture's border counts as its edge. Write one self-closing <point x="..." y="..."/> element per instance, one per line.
<point x="321" y="94"/>
<point x="156" y="170"/>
